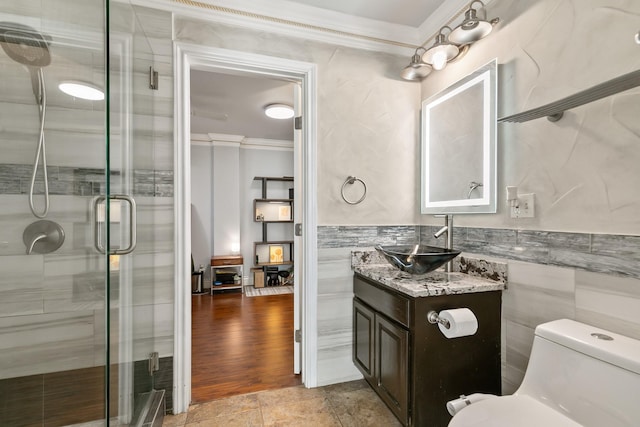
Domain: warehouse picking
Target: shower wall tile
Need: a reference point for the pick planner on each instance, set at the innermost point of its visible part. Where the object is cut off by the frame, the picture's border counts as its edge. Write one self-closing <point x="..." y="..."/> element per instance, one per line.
<point x="152" y="330"/>
<point x="83" y="181"/>
<point x="45" y="343"/>
<point x="21" y="281"/>
<point x="22" y="403"/>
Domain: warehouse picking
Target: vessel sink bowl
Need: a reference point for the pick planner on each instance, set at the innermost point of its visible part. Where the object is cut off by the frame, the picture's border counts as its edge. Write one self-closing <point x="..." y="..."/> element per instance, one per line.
<point x="420" y="261"/>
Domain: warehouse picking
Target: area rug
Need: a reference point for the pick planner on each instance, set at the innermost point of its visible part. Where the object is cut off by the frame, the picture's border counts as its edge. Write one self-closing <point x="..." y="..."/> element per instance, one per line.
<point x="250" y="291"/>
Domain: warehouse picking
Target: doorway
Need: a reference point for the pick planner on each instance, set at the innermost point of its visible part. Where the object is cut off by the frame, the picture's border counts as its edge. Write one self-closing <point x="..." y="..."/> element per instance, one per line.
<point x="241" y="338"/>
<point x="190" y="57"/>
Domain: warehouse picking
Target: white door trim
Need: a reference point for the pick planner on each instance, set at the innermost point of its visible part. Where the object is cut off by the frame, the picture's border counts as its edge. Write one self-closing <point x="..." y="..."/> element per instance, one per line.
<point x="190" y="56"/>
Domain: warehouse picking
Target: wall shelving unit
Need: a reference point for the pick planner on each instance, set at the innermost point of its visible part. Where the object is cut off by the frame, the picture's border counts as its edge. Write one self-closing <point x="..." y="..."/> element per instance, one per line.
<point x="272" y="255"/>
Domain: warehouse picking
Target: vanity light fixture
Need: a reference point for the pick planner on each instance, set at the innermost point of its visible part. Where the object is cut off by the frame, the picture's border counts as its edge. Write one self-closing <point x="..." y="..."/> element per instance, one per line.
<point x="472" y="28"/>
<point x="278" y="111"/>
<point x="416" y="70"/>
<point x="82" y="90"/>
<point x="441" y="52"/>
<point x="452" y="47"/>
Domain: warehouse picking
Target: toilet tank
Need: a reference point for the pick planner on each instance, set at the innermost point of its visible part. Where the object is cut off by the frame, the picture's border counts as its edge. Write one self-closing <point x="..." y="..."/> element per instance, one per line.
<point x="589" y="374"/>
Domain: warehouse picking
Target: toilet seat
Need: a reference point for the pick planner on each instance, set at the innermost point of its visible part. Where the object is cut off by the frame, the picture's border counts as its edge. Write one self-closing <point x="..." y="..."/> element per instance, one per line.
<point x="510" y="411"/>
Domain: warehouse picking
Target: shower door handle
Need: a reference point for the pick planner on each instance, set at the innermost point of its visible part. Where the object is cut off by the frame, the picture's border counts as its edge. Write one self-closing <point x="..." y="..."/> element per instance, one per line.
<point x="97" y="240"/>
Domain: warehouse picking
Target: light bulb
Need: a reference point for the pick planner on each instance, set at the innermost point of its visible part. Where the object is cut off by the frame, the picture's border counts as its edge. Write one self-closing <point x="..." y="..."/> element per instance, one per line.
<point x="439" y="60"/>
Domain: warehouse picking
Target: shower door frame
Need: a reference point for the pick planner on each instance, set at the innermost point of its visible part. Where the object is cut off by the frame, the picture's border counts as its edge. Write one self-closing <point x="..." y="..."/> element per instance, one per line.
<point x="121" y="44"/>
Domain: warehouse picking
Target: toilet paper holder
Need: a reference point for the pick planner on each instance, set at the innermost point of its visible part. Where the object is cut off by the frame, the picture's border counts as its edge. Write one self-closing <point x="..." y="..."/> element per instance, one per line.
<point x="434" y="318"/>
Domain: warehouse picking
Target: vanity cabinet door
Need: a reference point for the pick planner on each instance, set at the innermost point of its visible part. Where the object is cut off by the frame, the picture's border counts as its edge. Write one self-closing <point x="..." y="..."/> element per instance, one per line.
<point x="363" y="339"/>
<point x="392" y="366"/>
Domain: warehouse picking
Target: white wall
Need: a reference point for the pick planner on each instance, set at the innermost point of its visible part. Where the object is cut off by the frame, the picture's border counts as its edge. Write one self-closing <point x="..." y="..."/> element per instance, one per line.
<point x="201" y="215"/>
<point x="225" y="199"/>
<point x="262" y="162"/>
<point x="583" y="169"/>
<point x="209" y="188"/>
<point x="367" y="120"/>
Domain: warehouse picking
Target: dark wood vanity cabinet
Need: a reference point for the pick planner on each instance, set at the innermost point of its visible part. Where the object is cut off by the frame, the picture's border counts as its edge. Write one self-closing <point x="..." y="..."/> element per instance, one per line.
<point x="410" y="364"/>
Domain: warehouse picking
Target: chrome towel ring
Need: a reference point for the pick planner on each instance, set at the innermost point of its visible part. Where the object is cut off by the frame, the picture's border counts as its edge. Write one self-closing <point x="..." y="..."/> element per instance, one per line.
<point x="351" y="180"/>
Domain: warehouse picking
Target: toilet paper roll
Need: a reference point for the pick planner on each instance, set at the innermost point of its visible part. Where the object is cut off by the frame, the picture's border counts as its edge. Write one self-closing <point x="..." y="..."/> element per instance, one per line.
<point x="462" y="322"/>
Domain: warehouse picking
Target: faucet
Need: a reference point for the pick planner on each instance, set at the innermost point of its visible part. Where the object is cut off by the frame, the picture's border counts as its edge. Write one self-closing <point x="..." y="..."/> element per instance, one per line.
<point x="448" y="229"/>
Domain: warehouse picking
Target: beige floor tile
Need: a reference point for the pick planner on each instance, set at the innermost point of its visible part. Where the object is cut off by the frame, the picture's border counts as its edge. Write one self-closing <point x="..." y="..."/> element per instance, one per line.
<point x="250" y="418"/>
<point x="220" y="407"/>
<point x="174" y="420"/>
<point x="288" y="395"/>
<point x="361" y="407"/>
<point x="351" y="404"/>
<point x="345" y="387"/>
<point x="310" y="412"/>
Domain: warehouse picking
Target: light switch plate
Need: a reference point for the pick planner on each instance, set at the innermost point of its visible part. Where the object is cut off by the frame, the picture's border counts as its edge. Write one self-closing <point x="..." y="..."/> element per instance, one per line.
<point x="526" y="206"/>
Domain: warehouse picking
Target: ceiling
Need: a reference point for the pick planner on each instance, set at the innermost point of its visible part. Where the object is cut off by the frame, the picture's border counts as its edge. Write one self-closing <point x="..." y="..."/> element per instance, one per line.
<point x="233" y="105"/>
<point x="411" y="13"/>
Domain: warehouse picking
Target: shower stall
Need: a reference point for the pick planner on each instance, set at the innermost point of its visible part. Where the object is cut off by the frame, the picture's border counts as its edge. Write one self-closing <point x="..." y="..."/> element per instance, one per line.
<point x="86" y="202"/>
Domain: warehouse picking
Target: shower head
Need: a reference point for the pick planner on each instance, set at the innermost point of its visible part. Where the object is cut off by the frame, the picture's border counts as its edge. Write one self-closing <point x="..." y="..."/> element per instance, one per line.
<point x="24" y="44"/>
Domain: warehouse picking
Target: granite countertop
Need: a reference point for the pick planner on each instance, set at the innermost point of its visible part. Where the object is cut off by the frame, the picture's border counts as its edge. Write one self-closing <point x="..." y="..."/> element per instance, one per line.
<point x="470" y="275"/>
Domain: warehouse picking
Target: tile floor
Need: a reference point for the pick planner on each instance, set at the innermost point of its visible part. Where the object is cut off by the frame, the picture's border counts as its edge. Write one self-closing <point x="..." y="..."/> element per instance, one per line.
<point x="350" y="404"/>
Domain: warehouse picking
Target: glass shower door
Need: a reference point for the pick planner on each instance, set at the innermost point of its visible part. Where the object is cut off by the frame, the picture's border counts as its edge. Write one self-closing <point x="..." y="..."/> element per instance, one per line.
<point x="78" y="309"/>
<point x="133" y="189"/>
<point x="53" y="286"/>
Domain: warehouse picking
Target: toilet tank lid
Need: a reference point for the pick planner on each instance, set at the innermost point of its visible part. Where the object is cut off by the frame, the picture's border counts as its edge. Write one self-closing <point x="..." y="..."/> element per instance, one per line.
<point x="621" y="351"/>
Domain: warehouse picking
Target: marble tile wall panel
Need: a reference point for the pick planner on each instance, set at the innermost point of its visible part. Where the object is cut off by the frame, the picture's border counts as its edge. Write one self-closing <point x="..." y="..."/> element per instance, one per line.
<point x="21" y="291"/>
<point x="611" y="303"/>
<point x="335" y="294"/>
<point x="16" y="179"/>
<point x="541" y="286"/>
<point x="365" y="236"/>
<point x="604" y="253"/>
<point x="45" y="343"/>
<point x="153" y="330"/>
<point x="518" y="344"/>
<point x="538" y="293"/>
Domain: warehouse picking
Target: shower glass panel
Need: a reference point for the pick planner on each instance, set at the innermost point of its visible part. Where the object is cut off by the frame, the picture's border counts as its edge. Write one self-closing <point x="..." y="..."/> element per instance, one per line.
<point x="69" y="353"/>
<point x="132" y="189"/>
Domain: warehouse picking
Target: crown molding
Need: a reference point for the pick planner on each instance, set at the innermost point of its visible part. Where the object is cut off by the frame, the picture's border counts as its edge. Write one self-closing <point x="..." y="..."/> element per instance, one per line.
<point x="317" y="24"/>
<point x="267" y="144"/>
<point x="296" y="20"/>
<point x="239" y="141"/>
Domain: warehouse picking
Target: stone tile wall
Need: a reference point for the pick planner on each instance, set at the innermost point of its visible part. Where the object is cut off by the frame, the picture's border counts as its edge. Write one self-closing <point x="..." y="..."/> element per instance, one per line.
<point x="592" y="278"/>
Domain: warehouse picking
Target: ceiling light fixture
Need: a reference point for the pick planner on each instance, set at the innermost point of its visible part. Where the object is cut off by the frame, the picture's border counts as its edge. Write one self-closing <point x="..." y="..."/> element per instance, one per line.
<point x="446" y="49"/>
<point x="82" y="90"/>
<point x="472" y="29"/>
<point x="278" y="111"/>
<point x="416" y="70"/>
<point x="441" y="52"/>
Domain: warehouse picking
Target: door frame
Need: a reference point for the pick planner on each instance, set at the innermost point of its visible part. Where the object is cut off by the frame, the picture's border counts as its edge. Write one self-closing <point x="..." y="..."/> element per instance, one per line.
<point x="189" y="56"/>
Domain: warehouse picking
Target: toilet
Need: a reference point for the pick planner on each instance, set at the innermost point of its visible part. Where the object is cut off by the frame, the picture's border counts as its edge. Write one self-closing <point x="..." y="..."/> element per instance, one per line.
<point x="578" y="375"/>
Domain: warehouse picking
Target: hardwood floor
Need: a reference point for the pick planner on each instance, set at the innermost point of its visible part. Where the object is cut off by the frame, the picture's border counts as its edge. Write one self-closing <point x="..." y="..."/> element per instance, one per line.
<point x="240" y="345"/>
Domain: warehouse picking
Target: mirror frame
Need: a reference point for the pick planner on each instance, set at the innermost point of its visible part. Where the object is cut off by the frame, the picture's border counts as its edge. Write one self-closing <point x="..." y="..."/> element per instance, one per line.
<point x="487" y="76"/>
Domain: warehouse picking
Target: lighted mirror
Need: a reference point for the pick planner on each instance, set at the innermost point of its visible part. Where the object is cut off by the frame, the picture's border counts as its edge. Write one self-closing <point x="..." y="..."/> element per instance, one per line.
<point x="459" y="146"/>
